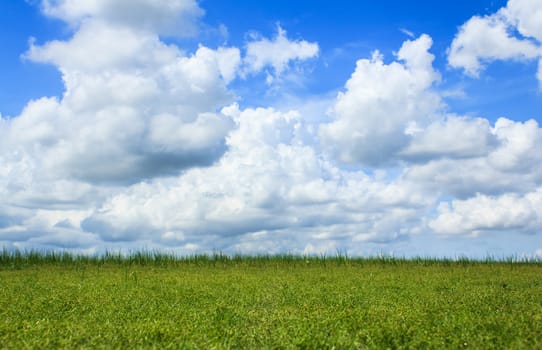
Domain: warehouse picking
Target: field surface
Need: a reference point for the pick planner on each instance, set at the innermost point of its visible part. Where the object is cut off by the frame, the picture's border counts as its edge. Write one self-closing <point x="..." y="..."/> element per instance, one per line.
<point x="274" y="302"/>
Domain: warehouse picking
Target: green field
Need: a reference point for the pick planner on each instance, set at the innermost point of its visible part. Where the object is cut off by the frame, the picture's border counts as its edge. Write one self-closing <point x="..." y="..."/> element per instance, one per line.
<point x="157" y="301"/>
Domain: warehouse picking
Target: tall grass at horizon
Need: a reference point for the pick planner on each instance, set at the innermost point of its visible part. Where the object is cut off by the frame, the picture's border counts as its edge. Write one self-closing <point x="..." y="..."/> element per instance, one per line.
<point x="19" y="259"/>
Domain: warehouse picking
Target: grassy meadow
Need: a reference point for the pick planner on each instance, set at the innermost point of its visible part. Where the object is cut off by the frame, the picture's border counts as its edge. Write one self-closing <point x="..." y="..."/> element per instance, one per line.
<point x="151" y="300"/>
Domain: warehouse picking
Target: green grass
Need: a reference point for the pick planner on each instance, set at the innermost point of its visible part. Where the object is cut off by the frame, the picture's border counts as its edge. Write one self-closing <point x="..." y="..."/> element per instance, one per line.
<point x="154" y="300"/>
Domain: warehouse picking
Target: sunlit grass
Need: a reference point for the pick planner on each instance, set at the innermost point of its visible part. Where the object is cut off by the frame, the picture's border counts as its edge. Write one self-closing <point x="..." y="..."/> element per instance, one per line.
<point x="152" y="299"/>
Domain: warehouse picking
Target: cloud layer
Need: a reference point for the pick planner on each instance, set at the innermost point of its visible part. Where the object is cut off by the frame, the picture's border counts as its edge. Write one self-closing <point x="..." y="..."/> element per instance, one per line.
<point x="149" y="145"/>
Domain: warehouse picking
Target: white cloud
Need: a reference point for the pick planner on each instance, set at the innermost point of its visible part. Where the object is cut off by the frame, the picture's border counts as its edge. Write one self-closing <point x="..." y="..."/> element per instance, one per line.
<point x="265" y="189"/>
<point x="481" y="213"/>
<point x="98" y="46"/>
<point x="526" y="16"/>
<point x="139" y="108"/>
<point x="407" y="32"/>
<point x="380" y="102"/>
<point x="134" y="108"/>
<point x="454" y="137"/>
<point x="510" y="163"/>
<point x="486" y="39"/>
<point x="172" y="17"/>
<point x="520" y="145"/>
<point x="277" y="53"/>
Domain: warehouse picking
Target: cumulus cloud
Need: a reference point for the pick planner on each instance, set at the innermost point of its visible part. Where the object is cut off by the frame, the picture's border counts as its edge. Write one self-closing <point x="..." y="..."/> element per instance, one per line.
<point x="277" y="53"/>
<point x="266" y="187"/>
<point x="490" y="38"/>
<point x="511" y="164"/>
<point x="451" y="137"/>
<point x="526" y="16"/>
<point x="134" y="107"/>
<point x="507" y="212"/>
<point x="381" y="101"/>
<point x="172" y="17"/>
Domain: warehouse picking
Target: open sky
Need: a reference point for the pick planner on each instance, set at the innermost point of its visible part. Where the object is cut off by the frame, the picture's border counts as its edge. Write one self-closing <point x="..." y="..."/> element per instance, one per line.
<point x="397" y="127"/>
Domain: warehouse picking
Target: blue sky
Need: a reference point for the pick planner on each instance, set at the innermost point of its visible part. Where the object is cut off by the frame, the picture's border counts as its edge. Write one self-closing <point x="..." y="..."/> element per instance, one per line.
<point x="406" y="128"/>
